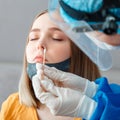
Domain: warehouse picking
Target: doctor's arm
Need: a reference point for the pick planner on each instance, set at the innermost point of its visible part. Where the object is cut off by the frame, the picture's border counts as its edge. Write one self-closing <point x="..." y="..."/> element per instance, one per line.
<point x="104" y="94"/>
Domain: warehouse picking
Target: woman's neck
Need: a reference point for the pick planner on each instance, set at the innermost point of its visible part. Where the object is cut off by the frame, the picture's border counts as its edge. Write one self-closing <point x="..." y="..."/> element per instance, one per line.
<point x="45" y="114"/>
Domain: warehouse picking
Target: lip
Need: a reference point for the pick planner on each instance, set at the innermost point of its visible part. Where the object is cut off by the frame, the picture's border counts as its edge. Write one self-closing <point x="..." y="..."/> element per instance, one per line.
<point x="38" y="59"/>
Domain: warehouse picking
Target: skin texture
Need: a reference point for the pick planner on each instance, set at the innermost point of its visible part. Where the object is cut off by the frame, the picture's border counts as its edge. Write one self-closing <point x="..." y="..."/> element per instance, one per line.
<point x="113" y="40"/>
<point x="50" y="37"/>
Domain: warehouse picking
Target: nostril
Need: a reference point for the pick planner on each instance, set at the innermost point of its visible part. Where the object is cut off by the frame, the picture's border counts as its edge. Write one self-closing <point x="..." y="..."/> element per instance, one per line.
<point x="39" y="46"/>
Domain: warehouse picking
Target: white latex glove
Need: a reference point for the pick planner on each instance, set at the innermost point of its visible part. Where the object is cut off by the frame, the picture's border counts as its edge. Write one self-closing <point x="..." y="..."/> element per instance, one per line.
<point x="65" y="101"/>
<point x="61" y="101"/>
<point x="71" y="81"/>
<point x="36" y="81"/>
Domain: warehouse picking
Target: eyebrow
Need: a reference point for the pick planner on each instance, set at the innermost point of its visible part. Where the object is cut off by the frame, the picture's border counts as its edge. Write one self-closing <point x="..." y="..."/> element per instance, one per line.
<point x="53" y="29"/>
<point x="35" y="30"/>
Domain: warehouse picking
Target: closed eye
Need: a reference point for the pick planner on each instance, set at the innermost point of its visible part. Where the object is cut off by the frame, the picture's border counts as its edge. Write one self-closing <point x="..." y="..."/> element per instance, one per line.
<point x="57" y="39"/>
<point x="32" y="39"/>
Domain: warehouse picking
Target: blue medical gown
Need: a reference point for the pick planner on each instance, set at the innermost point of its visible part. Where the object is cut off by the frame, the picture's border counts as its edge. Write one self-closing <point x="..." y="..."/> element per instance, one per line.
<point x="108" y="99"/>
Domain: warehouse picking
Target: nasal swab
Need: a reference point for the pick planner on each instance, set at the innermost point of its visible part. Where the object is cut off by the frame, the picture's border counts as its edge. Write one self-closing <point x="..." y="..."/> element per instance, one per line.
<point x="44" y="56"/>
<point x="43" y="63"/>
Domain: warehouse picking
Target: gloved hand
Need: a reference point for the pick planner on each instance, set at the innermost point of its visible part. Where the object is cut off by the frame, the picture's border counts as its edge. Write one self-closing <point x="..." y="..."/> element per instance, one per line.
<point x="65" y="101"/>
<point x="61" y="101"/>
<point x="72" y="81"/>
<point x="36" y="80"/>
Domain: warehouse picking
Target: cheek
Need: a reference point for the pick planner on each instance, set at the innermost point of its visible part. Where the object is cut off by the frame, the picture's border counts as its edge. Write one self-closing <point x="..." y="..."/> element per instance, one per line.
<point x="65" y="52"/>
<point x="61" y="53"/>
<point x="30" y="53"/>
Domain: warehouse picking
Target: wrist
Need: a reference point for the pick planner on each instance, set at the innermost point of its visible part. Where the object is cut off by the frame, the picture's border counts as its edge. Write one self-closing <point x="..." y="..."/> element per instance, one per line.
<point x="90" y="89"/>
<point x="86" y="107"/>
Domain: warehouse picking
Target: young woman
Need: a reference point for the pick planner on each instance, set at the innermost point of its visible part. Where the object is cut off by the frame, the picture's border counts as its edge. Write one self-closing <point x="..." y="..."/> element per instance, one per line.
<point x="44" y="34"/>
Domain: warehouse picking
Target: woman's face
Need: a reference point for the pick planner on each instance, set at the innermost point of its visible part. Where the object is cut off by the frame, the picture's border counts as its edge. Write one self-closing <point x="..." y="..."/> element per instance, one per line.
<point x="45" y="34"/>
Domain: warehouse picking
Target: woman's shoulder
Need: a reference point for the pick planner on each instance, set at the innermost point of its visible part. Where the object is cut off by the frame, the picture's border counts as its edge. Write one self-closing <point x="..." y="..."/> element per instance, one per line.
<point x="12" y="108"/>
<point x="12" y="98"/>
<point x="11" y="102"/>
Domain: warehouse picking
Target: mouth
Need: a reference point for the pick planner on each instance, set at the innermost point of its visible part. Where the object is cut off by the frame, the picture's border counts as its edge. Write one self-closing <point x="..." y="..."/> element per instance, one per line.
<point x="38" y="59"/>
<point x="41" y="58"/>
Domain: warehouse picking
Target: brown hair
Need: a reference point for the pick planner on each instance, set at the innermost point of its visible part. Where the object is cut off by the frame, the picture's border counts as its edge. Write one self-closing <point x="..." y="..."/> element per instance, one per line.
<point x="80" y="65"/>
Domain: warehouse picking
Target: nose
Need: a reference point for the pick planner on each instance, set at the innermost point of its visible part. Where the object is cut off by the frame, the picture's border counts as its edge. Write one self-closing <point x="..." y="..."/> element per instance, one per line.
<point x="41" y="43"/>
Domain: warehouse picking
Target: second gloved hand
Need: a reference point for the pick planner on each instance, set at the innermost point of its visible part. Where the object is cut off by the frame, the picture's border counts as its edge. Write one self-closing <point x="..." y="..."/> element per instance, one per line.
<point x="65" y="101"/>
<point x="72" y="81"/>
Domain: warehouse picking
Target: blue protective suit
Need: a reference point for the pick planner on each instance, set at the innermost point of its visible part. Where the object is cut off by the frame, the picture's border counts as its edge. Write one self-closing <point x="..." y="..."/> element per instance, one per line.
<point x="108" y="99"/>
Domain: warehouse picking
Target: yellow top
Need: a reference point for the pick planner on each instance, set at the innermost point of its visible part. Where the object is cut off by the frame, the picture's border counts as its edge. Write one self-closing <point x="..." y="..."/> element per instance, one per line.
<point x="13" y="110"/>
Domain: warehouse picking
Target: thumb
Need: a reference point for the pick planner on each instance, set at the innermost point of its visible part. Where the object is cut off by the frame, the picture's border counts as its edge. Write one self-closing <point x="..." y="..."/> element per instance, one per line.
<point x="36" y="86"/>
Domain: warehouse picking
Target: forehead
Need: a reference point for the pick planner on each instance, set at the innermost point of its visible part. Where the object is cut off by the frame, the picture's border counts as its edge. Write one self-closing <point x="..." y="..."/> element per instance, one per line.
<point x="43" y="21"/>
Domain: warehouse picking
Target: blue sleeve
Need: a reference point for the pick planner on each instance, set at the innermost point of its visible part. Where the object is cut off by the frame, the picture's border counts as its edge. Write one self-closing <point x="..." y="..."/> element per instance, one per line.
<point x="115" y="88"/>
<point x="108" y="99"/>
